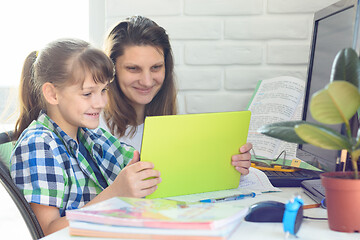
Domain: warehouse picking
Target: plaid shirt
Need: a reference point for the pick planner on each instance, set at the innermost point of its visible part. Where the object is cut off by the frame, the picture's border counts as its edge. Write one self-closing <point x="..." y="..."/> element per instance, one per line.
<point x="47" y="166"/>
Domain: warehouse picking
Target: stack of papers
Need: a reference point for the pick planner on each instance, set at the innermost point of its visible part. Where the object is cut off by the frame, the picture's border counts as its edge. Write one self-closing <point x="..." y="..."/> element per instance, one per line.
<point x="121" y="217"/>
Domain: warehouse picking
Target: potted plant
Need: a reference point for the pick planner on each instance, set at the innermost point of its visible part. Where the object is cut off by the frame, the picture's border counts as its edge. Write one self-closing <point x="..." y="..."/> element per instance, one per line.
<point x="337" y="103"/>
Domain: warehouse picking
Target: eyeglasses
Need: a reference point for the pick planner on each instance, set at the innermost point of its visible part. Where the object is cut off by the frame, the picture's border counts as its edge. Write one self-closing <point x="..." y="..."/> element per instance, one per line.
<point x="269" y="161"/>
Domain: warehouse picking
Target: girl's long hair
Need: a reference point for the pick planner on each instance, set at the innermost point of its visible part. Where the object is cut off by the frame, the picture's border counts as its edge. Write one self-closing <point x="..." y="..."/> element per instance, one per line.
<point x="138" y="31"/>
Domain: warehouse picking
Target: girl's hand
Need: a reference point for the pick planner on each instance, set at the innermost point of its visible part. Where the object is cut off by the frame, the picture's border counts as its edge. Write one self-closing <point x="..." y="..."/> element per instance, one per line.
<point x="242" y="161"/>
<point x="133" y="180"/>
<point x="49" y="218"/>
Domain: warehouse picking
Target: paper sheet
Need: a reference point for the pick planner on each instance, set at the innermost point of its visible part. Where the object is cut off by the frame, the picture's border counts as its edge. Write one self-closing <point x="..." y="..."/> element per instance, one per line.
<point x="256" y="181"/>
<point x="206" y="195"/>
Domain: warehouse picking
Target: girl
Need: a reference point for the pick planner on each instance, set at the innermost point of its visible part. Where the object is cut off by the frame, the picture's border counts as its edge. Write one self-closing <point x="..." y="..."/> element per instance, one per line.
<point x="144" y="82"/>
<point x="58" y="162"/>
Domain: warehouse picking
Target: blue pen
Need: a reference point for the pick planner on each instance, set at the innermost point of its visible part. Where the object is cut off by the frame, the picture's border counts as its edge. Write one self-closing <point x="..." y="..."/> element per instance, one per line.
<point x="232" y="198"/>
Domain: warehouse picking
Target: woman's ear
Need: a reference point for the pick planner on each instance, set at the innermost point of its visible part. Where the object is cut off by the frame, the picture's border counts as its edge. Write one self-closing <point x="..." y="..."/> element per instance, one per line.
<point x="50" y="93"/>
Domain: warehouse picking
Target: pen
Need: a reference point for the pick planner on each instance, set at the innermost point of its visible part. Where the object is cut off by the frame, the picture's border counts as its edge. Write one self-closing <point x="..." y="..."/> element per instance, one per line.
<point x="231" y="198"/>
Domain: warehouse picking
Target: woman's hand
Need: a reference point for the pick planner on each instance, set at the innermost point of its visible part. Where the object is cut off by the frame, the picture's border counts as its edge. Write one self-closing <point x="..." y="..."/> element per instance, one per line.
<point x="137" y="179"/>
<point x="242" y="161"/>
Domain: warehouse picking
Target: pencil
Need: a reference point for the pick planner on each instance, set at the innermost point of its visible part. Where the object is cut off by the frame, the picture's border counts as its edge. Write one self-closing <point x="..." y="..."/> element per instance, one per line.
<point x="311" y="206"/>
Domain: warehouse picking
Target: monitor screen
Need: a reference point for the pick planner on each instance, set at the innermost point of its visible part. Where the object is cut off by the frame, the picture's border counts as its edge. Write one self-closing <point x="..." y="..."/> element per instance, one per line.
<point x="334" y="29"/>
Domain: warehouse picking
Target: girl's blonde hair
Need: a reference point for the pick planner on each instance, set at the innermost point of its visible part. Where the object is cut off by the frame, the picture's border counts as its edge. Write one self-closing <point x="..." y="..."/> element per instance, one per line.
<point x="63" y="62"/>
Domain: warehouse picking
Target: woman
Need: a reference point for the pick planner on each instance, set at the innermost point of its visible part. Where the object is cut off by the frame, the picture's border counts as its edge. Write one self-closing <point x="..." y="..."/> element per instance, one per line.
<point x="144" y="82"/>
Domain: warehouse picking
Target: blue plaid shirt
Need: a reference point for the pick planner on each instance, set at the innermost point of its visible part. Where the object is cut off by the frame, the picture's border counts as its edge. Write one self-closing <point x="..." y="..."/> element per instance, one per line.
<point x="47" y="166"/>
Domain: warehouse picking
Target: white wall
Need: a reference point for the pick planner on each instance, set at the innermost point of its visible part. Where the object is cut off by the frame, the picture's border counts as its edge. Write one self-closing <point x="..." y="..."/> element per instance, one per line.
<point x="222" y="47"/>
<point x="28" y="28"/>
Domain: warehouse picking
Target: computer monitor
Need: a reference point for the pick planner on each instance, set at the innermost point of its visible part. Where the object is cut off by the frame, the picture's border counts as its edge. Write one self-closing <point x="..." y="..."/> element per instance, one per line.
<point x="335" y="27"/>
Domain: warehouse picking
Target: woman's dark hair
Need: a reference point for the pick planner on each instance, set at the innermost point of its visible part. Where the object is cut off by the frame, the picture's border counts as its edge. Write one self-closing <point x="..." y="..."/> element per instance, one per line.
<point x="138" y="31"/>
<point x="62" y="63"/>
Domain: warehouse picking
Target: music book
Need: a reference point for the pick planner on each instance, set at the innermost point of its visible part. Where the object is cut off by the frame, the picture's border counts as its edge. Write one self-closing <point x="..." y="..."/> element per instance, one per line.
<point x="193" y="151"/>
<point x="146" y="218"/>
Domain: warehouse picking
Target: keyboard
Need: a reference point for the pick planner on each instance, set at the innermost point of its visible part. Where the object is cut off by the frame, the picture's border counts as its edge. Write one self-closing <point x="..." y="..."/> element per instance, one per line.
<point x="290" y="179"/>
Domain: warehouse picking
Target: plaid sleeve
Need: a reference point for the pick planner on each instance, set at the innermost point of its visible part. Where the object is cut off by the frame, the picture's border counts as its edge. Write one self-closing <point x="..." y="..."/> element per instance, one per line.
<point x="37" y="172"/>
<point x="122" y="151"/>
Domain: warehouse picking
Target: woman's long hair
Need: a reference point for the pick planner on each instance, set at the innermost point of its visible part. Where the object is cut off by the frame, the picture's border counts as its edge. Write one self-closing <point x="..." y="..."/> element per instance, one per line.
<point x="138" y="31"/>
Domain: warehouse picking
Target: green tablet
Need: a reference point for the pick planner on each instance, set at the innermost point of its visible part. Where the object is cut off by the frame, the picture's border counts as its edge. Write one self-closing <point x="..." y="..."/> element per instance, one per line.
<point x="193" y="151"/>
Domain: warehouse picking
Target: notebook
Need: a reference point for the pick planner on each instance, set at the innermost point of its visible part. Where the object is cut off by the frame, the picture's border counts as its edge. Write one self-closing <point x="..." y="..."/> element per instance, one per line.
<point x="193" y="151"/>
<point x="314" y="189"/>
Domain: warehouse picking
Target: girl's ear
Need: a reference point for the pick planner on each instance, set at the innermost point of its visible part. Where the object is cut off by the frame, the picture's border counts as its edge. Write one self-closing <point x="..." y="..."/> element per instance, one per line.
<point x="50" y="93"/>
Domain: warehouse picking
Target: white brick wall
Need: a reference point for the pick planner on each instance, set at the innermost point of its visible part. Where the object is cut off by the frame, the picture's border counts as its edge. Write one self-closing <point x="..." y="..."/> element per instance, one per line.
<point x="223" y="47"/>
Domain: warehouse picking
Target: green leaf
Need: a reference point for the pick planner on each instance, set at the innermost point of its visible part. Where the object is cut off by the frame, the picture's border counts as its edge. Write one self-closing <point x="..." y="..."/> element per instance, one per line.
<point x="336" y="103"/>
<point x="283" y="131"/>
<point x="346" y="66"/>
<point x="355" y="154"/>
<point x="321" y="136"/>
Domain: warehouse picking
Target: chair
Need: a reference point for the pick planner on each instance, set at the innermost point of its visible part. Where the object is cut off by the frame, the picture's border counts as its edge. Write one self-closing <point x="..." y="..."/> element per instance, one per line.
<point x="18" y="198"/>
<point x="6" y="137"/>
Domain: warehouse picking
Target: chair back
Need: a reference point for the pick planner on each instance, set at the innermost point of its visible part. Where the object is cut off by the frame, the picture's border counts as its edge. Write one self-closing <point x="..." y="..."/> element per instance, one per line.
<point x="18" y="198"/>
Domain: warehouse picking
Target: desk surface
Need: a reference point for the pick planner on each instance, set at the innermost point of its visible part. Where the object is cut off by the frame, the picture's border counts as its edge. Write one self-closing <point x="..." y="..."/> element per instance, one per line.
<point x="310" y="229"/>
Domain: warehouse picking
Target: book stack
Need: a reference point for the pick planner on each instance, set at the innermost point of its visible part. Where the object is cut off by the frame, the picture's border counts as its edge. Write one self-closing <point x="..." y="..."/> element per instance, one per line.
<point x="137" y="218"/>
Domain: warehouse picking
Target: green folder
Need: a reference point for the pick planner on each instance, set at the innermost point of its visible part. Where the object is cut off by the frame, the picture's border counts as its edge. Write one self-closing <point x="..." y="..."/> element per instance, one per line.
<point x="193" y="151"/>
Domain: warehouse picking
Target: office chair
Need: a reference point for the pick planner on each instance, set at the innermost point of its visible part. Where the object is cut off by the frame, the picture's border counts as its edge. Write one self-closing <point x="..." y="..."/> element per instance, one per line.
<point x="19" y="199"/>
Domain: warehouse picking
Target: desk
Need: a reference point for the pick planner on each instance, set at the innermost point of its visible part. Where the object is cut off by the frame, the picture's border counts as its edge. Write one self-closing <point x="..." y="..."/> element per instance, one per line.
<point x="310" y="229"/>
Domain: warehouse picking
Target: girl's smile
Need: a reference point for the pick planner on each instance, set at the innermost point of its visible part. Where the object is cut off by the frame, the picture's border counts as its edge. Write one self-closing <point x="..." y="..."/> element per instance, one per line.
<point x="79" y="105"/>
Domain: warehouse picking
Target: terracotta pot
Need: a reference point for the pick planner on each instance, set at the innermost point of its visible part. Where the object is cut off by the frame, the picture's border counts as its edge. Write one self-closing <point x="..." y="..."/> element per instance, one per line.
<point x="342" y="201"/>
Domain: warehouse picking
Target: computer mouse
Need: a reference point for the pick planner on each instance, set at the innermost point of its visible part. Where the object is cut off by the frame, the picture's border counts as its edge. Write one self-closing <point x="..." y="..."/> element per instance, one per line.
<point x="266" y="211"/>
